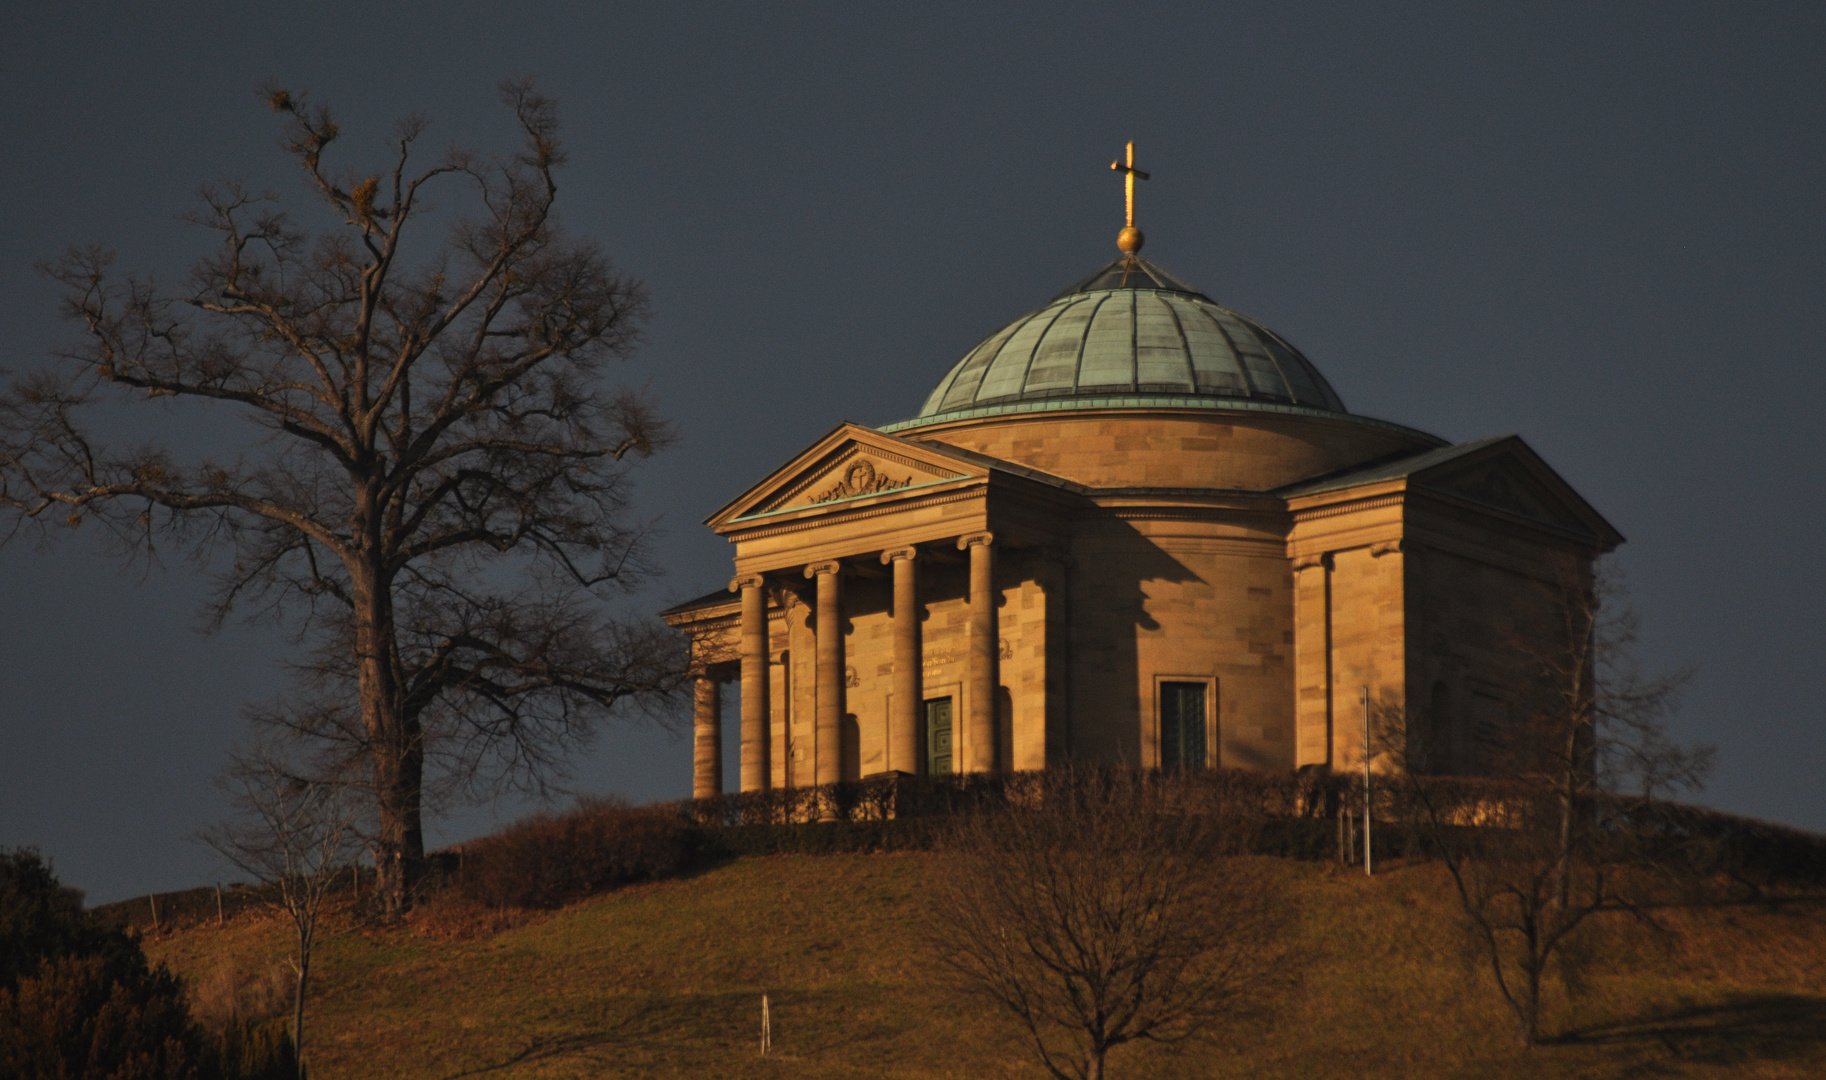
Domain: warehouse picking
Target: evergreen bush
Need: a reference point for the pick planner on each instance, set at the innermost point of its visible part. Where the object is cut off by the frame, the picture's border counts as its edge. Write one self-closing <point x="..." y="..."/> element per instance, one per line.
<point x="78" y="1000"/>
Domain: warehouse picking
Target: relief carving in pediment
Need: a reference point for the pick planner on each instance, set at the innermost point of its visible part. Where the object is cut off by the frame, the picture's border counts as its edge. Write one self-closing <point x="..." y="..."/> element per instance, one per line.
<point x="849" y="471"/>
<point x="860" y="477"/>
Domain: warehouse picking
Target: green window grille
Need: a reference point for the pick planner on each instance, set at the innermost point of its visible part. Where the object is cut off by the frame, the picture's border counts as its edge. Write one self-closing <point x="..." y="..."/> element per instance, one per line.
<point x="1182" y="725"/>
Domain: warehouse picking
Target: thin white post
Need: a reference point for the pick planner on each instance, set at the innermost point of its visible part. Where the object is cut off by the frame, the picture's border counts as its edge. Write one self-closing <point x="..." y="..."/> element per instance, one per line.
<point x="1369" y="868"/>
<point x="767" y="1027"/>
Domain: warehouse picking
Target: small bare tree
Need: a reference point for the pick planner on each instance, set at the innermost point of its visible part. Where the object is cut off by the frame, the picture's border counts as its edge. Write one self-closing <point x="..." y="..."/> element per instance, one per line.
<point x="1564" y="830"/>
<point x="297" y="837"/>
<point x="1100" y="916"/>
<point x="430" y="482"/>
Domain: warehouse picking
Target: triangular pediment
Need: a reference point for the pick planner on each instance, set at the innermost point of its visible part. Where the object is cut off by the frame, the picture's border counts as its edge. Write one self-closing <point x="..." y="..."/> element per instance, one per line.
<point x="851" y="463"/>
<point x="1508" y="476"/>
<point x="1502" y="474"/>
<point x="1502" y="485"/>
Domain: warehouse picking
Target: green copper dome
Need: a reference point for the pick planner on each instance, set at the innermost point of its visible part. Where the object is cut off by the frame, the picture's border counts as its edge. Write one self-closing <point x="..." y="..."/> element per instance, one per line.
<point x="1131" y="330"/>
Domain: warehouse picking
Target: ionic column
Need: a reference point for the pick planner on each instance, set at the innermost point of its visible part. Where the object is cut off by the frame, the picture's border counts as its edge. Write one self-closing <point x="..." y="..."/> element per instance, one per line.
<point x="909" y="691"/>
<point x="983" y="649"/>
<point x="707" y="740"/>
<point x="754" y="682"/>
<point x="828" y="724"/>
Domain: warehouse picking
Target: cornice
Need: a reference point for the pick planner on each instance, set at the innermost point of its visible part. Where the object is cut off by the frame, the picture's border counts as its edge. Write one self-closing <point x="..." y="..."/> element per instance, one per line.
<point x="1457" y="501"/>
<point x="1354" y="506"/>
<point x="979" y="491"/>
<point x="1139" y="512"/>
<point x="1430" y="541"/>
<point x="1147" y="403"/>
<point x="823" y="510"/>
<point x="709" y="614"/>
<point x="1225" y="498"/>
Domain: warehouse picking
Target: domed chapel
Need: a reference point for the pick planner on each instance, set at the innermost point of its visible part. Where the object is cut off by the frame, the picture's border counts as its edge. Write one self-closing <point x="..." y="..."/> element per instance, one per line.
<point x="1135" y="527"/>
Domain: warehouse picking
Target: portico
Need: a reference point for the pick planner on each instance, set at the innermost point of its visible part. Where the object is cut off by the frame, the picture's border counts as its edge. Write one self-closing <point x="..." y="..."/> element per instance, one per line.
<point x="872" y="578"/>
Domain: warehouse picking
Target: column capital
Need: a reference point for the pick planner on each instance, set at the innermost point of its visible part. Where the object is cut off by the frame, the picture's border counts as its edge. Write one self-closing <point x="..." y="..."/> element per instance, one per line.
<point x="1388" y="547"/>
<point x="893" y="555"/>
<point x="746" y="581"/>
<point x="970" y="540"/>
<point x="1312" y="562"/>
<point x="828" y="566"/>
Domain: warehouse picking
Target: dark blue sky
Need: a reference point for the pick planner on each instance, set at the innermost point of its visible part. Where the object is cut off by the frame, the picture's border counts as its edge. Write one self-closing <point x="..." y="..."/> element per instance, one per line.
<point x="1600" y="226"/>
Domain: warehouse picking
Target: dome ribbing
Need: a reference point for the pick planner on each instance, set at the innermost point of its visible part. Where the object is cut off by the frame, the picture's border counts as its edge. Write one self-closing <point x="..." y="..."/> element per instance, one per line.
<point x="1131" y="329"/>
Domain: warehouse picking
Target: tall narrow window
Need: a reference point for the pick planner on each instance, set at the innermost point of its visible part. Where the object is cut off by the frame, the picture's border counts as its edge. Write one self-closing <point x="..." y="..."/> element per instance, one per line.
<point x="1182" y="725"/>
<point x="938" y="736"/>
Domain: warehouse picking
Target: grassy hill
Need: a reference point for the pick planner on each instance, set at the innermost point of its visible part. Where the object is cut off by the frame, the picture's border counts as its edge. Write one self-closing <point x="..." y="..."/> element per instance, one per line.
<point x="665" y="980"/>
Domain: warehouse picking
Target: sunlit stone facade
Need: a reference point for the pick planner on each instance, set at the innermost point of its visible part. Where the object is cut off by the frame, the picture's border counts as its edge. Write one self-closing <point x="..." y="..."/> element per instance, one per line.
<point x="1132" y="527"/>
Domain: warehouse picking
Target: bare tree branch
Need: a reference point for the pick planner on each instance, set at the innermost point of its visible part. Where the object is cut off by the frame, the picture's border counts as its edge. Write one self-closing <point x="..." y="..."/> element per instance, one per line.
<point x="434" y="476"/>
<point x="1105" y="915"/>
<point x="296" y="836"/>
<point x="1560" y="841"/>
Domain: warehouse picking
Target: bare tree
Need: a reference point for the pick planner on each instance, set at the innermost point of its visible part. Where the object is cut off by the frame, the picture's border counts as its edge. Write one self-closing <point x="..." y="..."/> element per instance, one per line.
<point x="1565" y="830"/>
<point x="1100" y="916"/>
<point x="297" y="837"/>
<point x="432" y="486"/>
<point x="1597" y="723"/>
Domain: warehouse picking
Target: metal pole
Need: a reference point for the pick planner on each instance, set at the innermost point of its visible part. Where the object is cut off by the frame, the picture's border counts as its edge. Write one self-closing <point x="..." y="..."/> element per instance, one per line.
<point x="1369" y="868"/>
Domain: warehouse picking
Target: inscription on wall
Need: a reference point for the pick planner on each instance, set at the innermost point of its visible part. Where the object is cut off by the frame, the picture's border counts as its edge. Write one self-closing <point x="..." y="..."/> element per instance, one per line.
<point x="936" y="661"/>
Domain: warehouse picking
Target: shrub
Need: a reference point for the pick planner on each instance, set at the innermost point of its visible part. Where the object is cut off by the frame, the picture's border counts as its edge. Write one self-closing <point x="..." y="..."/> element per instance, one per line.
<point x="258" y="1049"/>
<point x="235" y="993"/>
<point x="74" y="1017"/>
<point x="79" y="1001"/>
<point x="551" y="859"/>
<point x="823" y="838"/>
<point x="40" y="917"/>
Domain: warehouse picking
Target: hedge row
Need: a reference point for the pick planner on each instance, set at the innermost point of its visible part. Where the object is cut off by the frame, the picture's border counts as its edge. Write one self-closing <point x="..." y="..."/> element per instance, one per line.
<point x="1233" y="793"/>
<point x="551" y="859"/>
<point x="1309" y="839"/>
<point x="548" y="860"/>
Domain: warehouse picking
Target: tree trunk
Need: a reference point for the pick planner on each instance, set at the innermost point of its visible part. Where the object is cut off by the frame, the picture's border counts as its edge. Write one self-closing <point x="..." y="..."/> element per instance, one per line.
<point x="1531" y="1025"/>
<point x="400" y="854"/>
<point x="304" y="975"/>
<point x="1562" y="870"/>
<point x="396" y="746"/>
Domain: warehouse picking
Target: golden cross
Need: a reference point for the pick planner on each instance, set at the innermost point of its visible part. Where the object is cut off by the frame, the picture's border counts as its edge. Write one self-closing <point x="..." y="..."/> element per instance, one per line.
<point x="1129" y="175"/>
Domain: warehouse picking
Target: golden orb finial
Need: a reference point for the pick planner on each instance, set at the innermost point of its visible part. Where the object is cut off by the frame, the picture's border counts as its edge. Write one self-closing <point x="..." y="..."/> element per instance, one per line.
<point x="1130" y="238"/>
